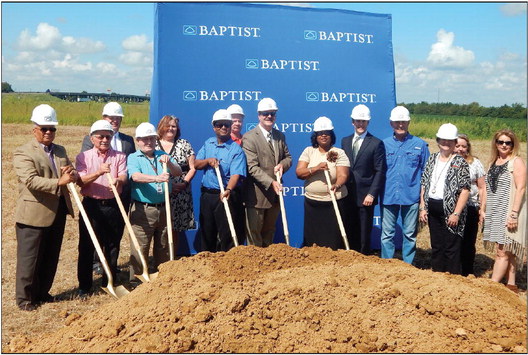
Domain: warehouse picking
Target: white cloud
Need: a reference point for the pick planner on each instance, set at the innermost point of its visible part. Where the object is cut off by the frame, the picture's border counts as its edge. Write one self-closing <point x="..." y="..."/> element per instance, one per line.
<point x="47" y="36"/>
<point x="81" y="45"/>
<point x="136" y="58"/>
<point x="444" y="54"/>
<point x="514" y="9"/>
<point x="137" y="43"/>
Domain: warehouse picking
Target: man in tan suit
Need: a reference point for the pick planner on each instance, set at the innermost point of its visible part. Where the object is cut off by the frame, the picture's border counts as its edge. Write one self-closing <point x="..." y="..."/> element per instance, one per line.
<point x="43" y="171"/>
<point x="266" y="152"/>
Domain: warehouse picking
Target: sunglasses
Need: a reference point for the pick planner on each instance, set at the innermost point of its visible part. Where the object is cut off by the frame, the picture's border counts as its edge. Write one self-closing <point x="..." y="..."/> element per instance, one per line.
<point x="222" y="124"/>
<point x="268" y="113"/>
<point x="324" y="133"/>
<point x="46" y="129"/>
<point x="508" y="143"/>
<point x="103" y="136"/>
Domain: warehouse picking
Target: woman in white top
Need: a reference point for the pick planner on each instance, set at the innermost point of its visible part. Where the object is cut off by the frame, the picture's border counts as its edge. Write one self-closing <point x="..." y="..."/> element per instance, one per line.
<point x="476" y="196"/>
<point x="320" y="222"/>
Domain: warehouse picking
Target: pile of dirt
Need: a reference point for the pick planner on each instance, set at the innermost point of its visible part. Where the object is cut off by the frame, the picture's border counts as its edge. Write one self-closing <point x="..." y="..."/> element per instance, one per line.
<point x="282" y="299"/>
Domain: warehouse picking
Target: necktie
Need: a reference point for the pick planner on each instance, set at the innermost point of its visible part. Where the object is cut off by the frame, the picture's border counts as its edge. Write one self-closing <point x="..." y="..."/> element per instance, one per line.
<point x="355" y="147"/>
<point x="49" y="152"/>
<point x="270" y="142"/>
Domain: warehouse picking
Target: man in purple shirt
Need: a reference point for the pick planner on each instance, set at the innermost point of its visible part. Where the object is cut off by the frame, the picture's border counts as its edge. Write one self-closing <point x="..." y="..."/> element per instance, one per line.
<point x="100" y="203"/>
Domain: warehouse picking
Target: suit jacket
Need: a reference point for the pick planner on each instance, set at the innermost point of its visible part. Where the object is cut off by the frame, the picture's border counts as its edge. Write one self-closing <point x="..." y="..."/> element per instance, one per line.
<point x="126" y="140"/>
<point x="261" y="160"/>
<point x="367" y="172"/>
<point x="39" y="195"/>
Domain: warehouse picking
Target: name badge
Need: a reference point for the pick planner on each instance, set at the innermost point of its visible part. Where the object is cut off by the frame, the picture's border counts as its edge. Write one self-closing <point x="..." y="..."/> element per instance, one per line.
<point x="159" y="188"/>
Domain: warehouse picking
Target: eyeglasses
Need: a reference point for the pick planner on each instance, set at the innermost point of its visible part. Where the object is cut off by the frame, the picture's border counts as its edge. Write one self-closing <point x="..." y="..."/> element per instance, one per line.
<point x="268" y="113"/>
<point x="222" y="124"/>
<point x="103" y="136"/>
<point x="324" y="133"/>
<point x="46" y="129"/>
<point x="508" y="143"/>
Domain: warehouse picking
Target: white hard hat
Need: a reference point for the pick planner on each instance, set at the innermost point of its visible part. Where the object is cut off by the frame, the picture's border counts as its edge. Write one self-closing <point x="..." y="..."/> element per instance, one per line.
<point x="44" y="115"/>
<point x="113" y="109"/>
<point x="267" y="104"/>
<point x="447" y="131"/>
<point x="400" y="113"/>
<point x="145" y="129"/>
<point x="221" y="115"/>
<point x="361" y="112"/>
<point x="235" y="110"/>
<point x="323" y="124"/>
<point x="101" y="125"/>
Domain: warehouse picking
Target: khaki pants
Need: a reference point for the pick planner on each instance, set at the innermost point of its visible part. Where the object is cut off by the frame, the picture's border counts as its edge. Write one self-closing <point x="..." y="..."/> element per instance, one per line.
<point x="260" y="225"/>
<point x="148" y="222"/>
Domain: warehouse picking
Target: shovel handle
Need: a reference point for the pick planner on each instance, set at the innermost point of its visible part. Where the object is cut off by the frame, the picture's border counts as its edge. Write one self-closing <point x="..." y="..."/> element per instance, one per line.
<point x="336" y="209"/>
<point x="283" y="211"/>
<point x="127" y="221"/>
<point x="95" y="242"/>
<point x="168" y="214"/>
<point x="226" y="205"/>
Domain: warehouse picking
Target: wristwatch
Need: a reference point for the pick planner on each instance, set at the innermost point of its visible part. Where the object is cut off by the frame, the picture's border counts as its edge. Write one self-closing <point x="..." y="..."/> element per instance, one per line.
<point x="456" y="214"/>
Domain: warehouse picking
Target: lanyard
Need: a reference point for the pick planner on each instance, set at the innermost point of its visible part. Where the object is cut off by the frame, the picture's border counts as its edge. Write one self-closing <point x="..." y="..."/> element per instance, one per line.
<point x="153" y="165"/>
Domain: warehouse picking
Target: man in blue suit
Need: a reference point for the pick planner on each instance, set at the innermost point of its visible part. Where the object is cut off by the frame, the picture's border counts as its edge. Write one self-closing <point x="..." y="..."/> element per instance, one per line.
<point x="366" y="179"/>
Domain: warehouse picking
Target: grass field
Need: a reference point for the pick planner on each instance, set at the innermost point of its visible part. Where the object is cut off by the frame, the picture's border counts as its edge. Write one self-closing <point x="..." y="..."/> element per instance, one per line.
<point x="52" y="316"/>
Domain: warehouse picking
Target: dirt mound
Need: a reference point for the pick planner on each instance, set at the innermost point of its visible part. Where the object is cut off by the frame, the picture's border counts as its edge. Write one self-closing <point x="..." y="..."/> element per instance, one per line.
<point x="282" y="299"/>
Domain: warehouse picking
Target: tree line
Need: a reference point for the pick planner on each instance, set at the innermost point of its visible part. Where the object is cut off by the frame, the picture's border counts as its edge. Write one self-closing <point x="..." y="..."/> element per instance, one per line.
<point x="517" y="110"/>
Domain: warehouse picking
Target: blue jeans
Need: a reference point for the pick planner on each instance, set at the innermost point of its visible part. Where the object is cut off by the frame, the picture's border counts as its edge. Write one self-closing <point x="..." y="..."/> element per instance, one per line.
<point x="389" y="216"/>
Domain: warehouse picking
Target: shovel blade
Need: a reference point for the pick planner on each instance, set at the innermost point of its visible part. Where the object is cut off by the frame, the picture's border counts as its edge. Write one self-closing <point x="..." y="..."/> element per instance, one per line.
<point x="146" y="277"/>
<point x="117" y="292"/>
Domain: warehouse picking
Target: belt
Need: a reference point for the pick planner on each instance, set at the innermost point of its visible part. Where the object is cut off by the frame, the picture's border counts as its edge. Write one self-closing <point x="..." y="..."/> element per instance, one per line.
<point x="102" y="202"/>
<point x="157" y="205"/>
<point x="210" y="191"/>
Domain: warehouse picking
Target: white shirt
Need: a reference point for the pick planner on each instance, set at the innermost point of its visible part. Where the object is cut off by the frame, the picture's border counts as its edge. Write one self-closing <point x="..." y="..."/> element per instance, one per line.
<point x="266" y="133"/>
<point x="116" y="143"/>
<point x="361" y="139"/>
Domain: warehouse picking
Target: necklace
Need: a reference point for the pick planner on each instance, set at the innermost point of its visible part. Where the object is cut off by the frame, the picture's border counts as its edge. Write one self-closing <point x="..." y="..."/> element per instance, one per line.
<point x="437" y="175"/>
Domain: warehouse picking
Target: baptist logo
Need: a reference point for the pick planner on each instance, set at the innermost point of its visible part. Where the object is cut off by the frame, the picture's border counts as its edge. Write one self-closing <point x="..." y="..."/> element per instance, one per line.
<point x="310" y="35"/>
<point x="229" y="31"/>
<point x="190" y="30"/>
<point x="337" y="36"/>
<point x="293" y="191"/>
<point x="221" y="95"/>
<point x="282" y="64"/>
<point x="190" y="96"/>
<point x="250" y="126"/>
<point x="354" y="97"/>
<point x="284" y="127"/>
<point x="312" y="96"/>
<point x="252" y="63"/>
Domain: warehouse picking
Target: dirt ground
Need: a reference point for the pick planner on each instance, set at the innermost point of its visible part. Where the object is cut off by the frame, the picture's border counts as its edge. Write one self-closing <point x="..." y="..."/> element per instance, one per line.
<point x="282" y="299"/>
<point x="278" y="299"/>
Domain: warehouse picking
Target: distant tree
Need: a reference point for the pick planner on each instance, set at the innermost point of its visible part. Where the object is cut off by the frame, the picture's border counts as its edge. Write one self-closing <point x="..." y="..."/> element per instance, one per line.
<point x="6" y="87"/>
<point x="84" y="92"/>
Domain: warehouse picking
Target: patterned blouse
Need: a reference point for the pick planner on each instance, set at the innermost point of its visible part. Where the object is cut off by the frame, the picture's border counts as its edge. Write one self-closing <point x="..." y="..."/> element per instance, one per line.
<point x="457" y="179"/>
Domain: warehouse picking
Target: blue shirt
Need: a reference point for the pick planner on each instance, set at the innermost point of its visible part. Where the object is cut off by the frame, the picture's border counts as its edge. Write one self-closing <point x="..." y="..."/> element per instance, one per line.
<point x="232" y="162"/>
<point x="151" y="192"/>
<point x="405" y="163"/>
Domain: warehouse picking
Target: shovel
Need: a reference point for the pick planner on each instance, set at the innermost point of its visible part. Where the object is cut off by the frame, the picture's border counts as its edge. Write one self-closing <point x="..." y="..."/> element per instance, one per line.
<point x="336" y="209"/>
<point x="226" y="205"/>
<point x="168" y="215"/>
<point x="117" y="291"/>
<point x="283" y="212"/>
<point x="145" y="276"/>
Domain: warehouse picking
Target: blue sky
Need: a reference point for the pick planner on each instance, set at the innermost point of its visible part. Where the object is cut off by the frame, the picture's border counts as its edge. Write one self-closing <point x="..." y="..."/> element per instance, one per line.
<point x="456" y="52"/>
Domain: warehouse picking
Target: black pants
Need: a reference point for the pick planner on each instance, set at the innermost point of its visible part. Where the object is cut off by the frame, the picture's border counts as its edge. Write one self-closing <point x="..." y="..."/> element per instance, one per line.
<point x="108" y="225"/>
<point x="445" y="245"/>
<point x="38" y="250"/>
<point x="468" y="251"/>
<point x="361" y="221"/>
<point x="214" y="231"/>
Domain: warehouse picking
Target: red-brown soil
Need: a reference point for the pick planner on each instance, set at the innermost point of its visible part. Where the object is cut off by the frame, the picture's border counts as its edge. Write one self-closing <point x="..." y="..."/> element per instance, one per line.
<point x="282" y="299"/>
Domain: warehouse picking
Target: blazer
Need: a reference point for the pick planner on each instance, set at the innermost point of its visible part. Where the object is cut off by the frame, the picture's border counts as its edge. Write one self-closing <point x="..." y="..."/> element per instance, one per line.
<point x="39" y="194"/>
<point x="261" y="160"/>
<point x="367" y="172"/>
<point x="126" y="140"/>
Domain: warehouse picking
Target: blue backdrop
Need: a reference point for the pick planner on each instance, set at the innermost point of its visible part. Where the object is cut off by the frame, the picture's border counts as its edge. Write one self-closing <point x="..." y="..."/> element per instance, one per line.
<point x="312" y="62"/>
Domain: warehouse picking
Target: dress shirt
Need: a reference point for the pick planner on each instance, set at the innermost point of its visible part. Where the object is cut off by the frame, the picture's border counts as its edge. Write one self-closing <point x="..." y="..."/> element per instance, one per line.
<point x="151" y="192"/>
<point x="405" y="164"/>
<point x="89" y="162"/>
<point x="232" y="162"/>
<point x="361" y="139"/>
<point x="117" y="143"/>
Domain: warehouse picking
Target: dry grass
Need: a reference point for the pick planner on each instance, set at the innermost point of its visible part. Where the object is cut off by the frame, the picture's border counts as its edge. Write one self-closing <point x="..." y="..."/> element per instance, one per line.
<point x="51" y="316"/>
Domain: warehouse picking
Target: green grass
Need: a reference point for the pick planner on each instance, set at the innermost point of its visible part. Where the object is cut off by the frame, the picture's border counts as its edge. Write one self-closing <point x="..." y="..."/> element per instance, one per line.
<point x="480" y="128"/>
<point x="17" y="108"/>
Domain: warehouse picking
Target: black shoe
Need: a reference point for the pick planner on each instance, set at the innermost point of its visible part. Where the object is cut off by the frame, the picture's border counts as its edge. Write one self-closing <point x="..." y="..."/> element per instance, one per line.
<point x="83" y="295"/>
<point x="27" y="307"/>
<point x="48" y="299"/>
